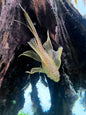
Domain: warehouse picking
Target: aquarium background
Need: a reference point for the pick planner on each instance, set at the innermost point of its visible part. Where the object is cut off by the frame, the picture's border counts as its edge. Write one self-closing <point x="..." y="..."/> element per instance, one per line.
<point x="25" y="94"/>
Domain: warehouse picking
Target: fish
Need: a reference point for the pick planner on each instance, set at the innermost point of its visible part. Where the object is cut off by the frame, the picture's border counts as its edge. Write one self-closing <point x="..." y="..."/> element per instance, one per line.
<point x="76" y="1"/>
<point x="83" y="1"/>
<point x="50" y="59"/>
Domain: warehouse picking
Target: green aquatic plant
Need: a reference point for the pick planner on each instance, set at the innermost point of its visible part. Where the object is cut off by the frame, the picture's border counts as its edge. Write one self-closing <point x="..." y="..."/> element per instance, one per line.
<point x="50" y="59"/>
<point x="22" y="113"/>
<point x="14" y="101"/>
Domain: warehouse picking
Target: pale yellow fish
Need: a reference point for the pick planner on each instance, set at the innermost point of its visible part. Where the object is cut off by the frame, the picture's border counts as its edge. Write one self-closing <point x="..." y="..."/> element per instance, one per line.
<point x="76" y="1"/>
<point x="83" y="1"/>
<point x="50" y="59"/>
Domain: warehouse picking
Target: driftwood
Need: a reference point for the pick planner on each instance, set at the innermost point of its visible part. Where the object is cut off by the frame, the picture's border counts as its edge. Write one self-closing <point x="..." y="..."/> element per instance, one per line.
<point x="12" y="32"/>
<point x="67" y="29"/>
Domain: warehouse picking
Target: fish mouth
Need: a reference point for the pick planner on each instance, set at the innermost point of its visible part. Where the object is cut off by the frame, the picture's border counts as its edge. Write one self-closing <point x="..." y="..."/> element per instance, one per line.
<point x="57" y="80"/>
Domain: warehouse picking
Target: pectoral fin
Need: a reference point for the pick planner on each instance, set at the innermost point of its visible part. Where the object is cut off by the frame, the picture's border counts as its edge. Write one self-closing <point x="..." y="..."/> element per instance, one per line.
<point x="34" y="45"/>
<point x="57" y="56"/>
<point x="59" y="52"/>
<point x="35" y="70"/>
<point x="48" y="45"/>
<point x="32" y="55"/>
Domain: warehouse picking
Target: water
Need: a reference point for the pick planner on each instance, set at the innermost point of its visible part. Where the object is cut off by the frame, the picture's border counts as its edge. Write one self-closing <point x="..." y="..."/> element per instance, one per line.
<point x="77" y="105"/>
<point x="43" y="95"/>
<point x="80" y="6"/>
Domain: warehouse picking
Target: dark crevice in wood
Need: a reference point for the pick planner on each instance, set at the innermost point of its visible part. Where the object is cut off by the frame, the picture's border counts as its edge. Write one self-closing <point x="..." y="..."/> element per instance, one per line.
<point x="67" y="28"/>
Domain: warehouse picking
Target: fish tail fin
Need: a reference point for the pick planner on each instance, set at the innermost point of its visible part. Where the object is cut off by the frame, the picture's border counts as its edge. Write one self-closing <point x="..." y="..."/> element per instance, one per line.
<point x="30" y="24"/>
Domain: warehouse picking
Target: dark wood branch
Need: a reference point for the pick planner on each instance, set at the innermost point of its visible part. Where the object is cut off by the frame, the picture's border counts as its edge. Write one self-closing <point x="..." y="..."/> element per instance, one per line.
<point x="67" y="29"/>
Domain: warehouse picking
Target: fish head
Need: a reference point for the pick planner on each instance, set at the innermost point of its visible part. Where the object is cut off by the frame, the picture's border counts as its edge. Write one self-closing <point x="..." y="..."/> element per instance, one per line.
<point x="52" y="72"/>
<point x="56" y="76"/>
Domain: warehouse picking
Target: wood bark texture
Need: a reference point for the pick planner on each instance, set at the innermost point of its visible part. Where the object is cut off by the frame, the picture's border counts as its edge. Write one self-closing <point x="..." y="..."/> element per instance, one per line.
<point x="67" y="28"/>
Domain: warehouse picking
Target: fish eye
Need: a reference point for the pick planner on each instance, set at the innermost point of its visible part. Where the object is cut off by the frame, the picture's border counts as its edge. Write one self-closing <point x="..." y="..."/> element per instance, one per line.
<point x="56" y="73"/>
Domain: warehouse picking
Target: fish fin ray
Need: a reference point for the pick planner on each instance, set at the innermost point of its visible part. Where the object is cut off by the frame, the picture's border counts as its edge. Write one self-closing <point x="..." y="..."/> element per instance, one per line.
<point x="30" y="23"/>
<point x="48" y="45"/>
<point x="35" y="70"/>
<point x="31" y="54"/>
<point x="33" y="45"/>
<point x="57" y="56"/>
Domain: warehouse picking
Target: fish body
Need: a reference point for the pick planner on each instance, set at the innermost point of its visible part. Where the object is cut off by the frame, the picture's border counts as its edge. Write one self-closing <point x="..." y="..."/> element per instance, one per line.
<point x="50" y="59"/>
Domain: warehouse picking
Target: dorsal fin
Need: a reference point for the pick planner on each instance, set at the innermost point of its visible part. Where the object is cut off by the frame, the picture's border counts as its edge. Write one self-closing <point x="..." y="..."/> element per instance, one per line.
<point x="48" y="45"/>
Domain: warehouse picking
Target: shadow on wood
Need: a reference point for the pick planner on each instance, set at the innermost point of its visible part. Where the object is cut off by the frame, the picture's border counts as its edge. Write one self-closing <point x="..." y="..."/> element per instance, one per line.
<point x="67" y="29"/>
